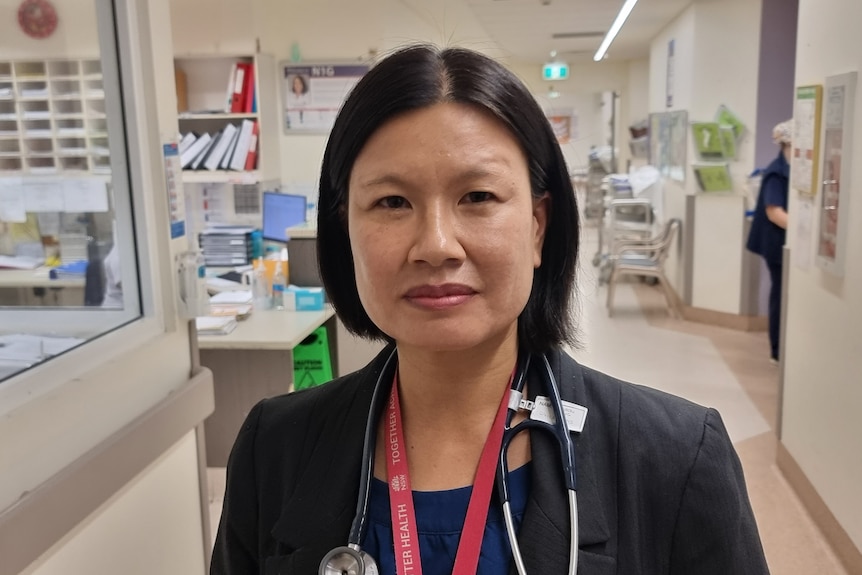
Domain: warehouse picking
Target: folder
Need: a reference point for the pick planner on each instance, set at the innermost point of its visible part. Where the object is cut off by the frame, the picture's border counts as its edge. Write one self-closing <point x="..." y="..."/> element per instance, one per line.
<point x="240" y="155"/>
<point x="228" y="102"/>
<point x="199" y="160"/>
<point x="214" y="159"/>
<point x="248" y="92"/>
<point x="186" y="141"/>
<point x="194" y="150"/>
<point x="225" y="161"/>
<point x="236" y="104"/>
<point x="251" y="156"/>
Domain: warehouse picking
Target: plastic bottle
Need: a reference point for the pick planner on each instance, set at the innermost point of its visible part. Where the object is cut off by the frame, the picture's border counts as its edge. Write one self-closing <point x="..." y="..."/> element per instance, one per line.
<point x="279" y="284"/>
<point x="260" y="286"/>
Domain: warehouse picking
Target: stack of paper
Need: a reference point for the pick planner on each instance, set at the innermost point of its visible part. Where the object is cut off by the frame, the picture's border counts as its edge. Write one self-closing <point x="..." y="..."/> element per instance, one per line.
<point x="213" y="325"/>
<point x="232" y="297"/>
<point x="20" y="262"/>
<point x="236" y="304"/>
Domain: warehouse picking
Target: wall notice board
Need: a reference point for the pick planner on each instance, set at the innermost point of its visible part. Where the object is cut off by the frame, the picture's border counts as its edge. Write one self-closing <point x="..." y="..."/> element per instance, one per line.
<point x="313" y="94"/>
<point x="668" y="142"/>
<point x="806" y="138"/>
<point x="839" y="99"/>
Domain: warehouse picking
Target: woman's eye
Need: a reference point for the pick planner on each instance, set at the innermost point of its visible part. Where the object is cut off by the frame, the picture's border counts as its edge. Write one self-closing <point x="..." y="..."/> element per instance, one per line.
<point x="478" y="197"/>
<point x="393" y="202"/>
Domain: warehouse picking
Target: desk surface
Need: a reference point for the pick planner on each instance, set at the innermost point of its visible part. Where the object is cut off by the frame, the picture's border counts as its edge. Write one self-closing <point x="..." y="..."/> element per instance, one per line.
<point x="269" y="330"/>
<point x="35" y="278"/>
<point x="302" y="231"/>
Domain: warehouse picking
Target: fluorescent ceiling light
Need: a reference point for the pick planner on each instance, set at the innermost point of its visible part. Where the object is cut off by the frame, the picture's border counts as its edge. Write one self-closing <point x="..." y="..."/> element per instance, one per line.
<point x="615" y="29"/>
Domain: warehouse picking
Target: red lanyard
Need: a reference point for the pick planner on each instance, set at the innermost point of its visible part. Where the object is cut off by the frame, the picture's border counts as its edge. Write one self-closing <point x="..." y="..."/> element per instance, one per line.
<point x="404" y="531"/>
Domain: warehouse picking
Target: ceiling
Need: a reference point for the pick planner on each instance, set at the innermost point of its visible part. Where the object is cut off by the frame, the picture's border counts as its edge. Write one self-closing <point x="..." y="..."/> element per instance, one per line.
<point x="525" y="29"/>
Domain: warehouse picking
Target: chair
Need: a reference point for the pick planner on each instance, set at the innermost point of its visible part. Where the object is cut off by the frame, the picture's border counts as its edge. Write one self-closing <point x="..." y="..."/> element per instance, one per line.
<point x="644" y="258"/>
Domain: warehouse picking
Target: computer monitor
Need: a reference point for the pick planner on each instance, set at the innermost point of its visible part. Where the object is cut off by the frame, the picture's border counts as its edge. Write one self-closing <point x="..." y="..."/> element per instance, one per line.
<point x="281" y="211"/>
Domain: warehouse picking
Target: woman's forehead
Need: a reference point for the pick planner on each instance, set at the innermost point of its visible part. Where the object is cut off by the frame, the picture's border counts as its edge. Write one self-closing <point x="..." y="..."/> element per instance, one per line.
<point x="449" y="134"/>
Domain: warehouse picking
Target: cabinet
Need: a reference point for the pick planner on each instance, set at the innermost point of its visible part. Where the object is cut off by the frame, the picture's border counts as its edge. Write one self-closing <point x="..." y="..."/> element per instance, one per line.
<point x="206" y="80"/>
<point x="52" y="117"/>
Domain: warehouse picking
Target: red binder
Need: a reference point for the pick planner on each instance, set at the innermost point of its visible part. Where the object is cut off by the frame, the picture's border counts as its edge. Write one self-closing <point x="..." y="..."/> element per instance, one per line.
<point x="237" y="105"/>
<point x="251" y="158"/>
<point x="248" y="89"/>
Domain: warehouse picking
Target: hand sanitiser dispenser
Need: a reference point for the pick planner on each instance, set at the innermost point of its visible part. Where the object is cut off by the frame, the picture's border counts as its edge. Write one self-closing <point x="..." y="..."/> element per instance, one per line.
<point x="193" y="300"/>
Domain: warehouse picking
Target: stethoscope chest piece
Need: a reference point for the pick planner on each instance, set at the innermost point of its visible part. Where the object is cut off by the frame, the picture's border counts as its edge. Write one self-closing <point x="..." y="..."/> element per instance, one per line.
<point x="348" y="561"/>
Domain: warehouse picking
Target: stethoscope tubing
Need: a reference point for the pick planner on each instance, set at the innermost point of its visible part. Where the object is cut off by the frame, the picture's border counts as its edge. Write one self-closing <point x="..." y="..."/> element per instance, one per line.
<point x="381" y="390"/>
<point x="559" y="429"/>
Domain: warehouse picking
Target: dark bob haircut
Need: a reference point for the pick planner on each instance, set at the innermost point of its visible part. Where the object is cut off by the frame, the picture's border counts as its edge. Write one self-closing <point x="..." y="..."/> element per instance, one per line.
<point x="420" y="76"/>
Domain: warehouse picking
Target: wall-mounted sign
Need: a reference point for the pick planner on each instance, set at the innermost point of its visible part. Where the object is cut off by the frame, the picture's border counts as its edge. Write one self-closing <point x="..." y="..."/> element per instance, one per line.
<point x="555" y="71"/>
<point x="839" y="102"/>
<point x="313" y="93"/>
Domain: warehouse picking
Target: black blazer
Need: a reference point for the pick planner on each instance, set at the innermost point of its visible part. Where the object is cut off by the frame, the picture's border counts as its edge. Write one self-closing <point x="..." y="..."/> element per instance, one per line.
<point x="660" y="488"/>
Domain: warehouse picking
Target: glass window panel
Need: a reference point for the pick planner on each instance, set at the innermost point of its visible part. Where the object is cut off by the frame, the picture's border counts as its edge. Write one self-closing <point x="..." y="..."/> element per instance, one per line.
<point x="68" y="266"/>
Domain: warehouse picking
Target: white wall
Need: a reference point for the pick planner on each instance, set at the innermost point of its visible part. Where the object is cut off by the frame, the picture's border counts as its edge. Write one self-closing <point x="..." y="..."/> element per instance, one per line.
<point x="682" y="32"/>
<point x="153" y="525"/>
<point x="821" y="427"/>
<point x="581" y="92"/>
<point x="354" y="29"/>
<point x="75" y="36"/>
<point x="716" y="47"/>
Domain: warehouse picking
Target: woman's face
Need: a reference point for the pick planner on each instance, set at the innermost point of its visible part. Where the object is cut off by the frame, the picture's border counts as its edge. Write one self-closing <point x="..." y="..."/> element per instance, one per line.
<point x="297" y="85"/>
<point x="444" y="230"/>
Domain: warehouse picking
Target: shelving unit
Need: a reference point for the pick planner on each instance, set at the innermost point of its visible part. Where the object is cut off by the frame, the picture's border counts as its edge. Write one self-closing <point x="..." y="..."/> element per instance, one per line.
<point x="206" y="82"/>
<point x="52" y="117"/>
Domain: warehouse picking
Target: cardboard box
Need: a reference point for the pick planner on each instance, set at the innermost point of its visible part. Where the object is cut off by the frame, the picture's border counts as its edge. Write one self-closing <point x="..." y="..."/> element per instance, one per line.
<point x="182" y="91"/>
<point x="303" y="298"/>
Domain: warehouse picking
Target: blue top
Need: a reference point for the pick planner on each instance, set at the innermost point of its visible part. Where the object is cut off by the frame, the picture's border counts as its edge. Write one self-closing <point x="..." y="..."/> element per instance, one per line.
<point x="440" y="517"/>
<point x="766" y="238"/>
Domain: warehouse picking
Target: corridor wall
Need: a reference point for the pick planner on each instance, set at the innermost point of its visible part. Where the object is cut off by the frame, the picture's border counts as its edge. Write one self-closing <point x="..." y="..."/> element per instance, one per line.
<point x="821" y="433"/>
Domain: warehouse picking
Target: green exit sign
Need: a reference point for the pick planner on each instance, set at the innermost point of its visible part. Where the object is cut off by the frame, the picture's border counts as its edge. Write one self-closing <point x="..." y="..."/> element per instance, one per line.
<point x="555" y="71"/>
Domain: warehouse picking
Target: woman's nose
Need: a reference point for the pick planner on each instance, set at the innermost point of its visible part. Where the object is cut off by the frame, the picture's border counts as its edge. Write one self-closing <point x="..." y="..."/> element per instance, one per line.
<point x="436" y="238"/>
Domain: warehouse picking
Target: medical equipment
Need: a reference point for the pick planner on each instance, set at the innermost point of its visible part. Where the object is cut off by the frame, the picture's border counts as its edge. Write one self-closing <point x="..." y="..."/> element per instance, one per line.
<point x="352" y="560"/>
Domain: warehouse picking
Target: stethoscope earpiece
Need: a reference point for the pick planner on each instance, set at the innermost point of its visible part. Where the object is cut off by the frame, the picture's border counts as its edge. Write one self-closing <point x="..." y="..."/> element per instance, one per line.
<point x="348" y="561"/>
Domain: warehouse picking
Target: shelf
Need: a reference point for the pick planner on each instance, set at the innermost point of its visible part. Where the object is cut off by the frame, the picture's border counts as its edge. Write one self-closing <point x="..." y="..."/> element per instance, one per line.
<point x="220" y="116"/>
<point x="220" y="176"/>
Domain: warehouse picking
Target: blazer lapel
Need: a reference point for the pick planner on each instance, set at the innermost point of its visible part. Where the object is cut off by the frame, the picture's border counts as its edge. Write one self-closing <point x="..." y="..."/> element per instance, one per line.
<point x="545" y="532"/>
<point x="318" y="516"/>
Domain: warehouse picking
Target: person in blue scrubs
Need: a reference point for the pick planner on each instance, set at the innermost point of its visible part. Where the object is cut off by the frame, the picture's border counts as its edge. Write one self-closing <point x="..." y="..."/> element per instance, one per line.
<point x="769" y="227"/>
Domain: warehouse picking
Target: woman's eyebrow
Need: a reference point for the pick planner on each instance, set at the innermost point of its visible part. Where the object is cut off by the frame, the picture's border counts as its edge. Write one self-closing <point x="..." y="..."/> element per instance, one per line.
<point x="466" y="175"/>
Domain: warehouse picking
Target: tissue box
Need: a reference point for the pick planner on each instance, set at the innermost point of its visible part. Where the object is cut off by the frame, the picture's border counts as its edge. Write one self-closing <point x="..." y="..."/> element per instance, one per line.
<point x="303" y="298"/>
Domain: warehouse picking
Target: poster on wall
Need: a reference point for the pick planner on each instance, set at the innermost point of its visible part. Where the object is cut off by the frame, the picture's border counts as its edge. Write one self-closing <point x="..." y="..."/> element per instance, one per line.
<point x="562" y="126"/>
<point x="173" y="184"/>
<point x="839" y="98"/>
<point x="806" y="138"/>
<point x="668" y="140"/>
<point x="313" y="94"/>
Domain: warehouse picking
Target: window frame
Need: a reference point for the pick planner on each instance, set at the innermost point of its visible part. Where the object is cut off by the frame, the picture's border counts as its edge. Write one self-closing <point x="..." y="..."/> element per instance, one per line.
<point x="143" y="221"/>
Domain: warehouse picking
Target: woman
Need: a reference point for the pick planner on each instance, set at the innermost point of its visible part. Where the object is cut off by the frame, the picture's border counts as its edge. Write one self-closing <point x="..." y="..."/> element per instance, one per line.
<point x="298" y="92"/>
<point x="448" y="227"/>
<point x="769" y="226"/>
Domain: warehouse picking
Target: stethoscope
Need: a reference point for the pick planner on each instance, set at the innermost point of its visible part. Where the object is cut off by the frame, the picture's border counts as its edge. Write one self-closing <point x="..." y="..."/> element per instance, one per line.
<point x="352" y="560"/>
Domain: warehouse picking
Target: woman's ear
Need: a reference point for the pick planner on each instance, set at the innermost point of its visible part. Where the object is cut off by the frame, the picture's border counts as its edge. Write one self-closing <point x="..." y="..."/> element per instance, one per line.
<point x="541" y="213"/>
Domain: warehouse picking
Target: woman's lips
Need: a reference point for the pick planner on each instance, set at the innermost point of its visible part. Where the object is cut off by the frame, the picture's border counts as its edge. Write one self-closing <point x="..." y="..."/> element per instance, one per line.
<point x="439" y="296"/>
